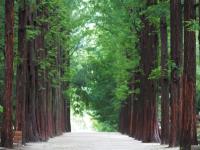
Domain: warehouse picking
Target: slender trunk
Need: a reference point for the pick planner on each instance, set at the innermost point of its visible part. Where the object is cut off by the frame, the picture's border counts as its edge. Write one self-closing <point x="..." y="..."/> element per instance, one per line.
<point x="65" y="66"/>
<point x="2" y="47"/>
<point x="124" y="117"/>
<point x="131" y="109"/>
<point x="199" y="33"/>
<point x="41" y="74"/>
<point x="188" y="129"/>
<point x="135" y="111"/>
<point x="176" y="54"/>
<point x="30" y="105"/>
<point x="67" y="112"/>
<point x="164" y="83"/>
<point x="7" y="133"/>
<point x="21" y="71"/>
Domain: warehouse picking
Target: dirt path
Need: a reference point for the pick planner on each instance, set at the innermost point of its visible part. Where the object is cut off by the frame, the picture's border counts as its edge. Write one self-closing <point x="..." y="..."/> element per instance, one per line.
<point x="93" y="141"/>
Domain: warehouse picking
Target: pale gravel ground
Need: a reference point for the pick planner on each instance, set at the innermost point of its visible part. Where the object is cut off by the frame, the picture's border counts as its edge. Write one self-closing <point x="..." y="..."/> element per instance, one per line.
<point x="93" y="141"/>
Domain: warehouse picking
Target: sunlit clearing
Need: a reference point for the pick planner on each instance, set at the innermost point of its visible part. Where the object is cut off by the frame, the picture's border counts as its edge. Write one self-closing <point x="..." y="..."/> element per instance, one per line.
<point x="81" y="123"/>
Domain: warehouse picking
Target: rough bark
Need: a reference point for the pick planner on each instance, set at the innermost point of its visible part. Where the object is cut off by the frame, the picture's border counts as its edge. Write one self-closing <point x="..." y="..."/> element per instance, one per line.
<point x="21" y="71"/>
<point x="199" y="32"/>
<point x="188" y="128"/>
<point x="68" y="123"/>
<point x="7" y="133"/>
<point x="132" y="115"/>
<point x="164" y="83"/>
<point x="124" y="119"/>
<point x="135" y="111"/>
<point x="65" y="86"/>
<point x="175" y="87"/>
<point x="46" y="111"/>
<point x="30" y="105"/>
<point x="148" y="88"/>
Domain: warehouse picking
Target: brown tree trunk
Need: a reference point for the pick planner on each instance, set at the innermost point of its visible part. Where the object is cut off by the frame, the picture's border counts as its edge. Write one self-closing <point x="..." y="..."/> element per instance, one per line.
<point x="7" y="133"/>
<point x="124" y="119"/>
<point x="132" y="115"/>
<point x="41" y="74"/>
<point x="30" y="105"/>
<point x="67" y="101"/>
<point x="135" y="109"/>
<point x="164" y="83"/>
<point x="68" y="123"/>
<point x="199" y="32"/>
<point x="148" y="87"/>
<point x="176" y="54"/>
<point x="188" y="128"/>
<point x="21" y="71"/>
<point x="45" y="106"/>
<point x="41" y="87"/>
<point x="128" y="114"/>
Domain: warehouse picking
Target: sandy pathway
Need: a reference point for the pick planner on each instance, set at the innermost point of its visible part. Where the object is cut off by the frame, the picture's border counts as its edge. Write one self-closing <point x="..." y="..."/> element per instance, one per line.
<point x="93" y="141"/>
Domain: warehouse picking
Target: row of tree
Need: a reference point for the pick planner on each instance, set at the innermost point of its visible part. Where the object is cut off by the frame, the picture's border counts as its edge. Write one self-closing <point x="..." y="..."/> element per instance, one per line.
<point x="36" y="66"/>
<point x="176" y="84"/>
<point x="113" y="47"/>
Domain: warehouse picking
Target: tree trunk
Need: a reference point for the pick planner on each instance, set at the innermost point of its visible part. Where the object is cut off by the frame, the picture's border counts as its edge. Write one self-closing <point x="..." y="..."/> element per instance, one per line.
<point x="176" y="54"/>
<point x="164" y="83"/>
<point x="149" y="44"/>
<point x="30" y="105"/>
<point x="188" y="128"/>
<point x="7" y="133"/>
<point x="21" y="71"/>
<point x="199" y="32"/>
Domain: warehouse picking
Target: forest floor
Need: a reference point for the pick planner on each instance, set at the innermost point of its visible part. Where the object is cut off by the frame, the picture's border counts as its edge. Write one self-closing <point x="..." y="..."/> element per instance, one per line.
<point x="93" y="141"/>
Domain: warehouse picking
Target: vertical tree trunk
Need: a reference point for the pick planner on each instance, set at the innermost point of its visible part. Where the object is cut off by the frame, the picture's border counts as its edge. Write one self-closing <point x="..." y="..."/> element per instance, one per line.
<point x="67" y="101"/>
<point x="21" y="71"/>
<point x="68" y="123"/>
<point x="176" y="54"/>
<point x="199" y="32"/>
<point x="7" y="133"/>
<point x="132" y="115"/>
<point x="148" y="87"/>
<point x="128" y="114"/>
<point x="164" y="83"/>
<point x="135" y="87"/>
<point x="41" y="82"/>
<point x="124" y="117"/>
<point x="41" y="87"/>
<point x="188" y="129"/>
<point x="30" y="105"/>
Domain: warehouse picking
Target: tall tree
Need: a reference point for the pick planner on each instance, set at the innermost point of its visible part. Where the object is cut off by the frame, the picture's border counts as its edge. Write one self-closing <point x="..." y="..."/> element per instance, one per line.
<point x="164" y="82"/>
<point x="188" y="128"/>
<point x="176" y="54"/>
<point x="149" y="44"/>
<point x="7" y="133"/>
<point x="31" y="132"/>
<point x="66" y="99"/>
<point x="21" y="70"/>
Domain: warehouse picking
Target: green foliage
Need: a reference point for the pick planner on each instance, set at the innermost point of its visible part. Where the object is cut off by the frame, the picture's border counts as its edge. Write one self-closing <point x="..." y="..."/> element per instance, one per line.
<point x="198" y="89"/>
<point x="155" y="74"/>
<point x="155" y="12"/>
<point x="101" y="40"/>
<point x="104" y="55"/>
<point x="104" y="126"/>
<point x="32" y="33"/>
<point x="192" y="25"/>
<point x="1" y="109"/>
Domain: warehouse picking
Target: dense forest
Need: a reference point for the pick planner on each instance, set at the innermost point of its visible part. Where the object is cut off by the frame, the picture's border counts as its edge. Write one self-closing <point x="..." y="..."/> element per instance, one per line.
<point x="133" y="65"/>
